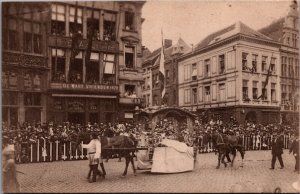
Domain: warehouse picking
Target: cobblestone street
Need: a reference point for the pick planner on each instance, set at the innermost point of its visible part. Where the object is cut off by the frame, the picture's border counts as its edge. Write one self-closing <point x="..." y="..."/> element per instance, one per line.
<point x="255" y="176"/>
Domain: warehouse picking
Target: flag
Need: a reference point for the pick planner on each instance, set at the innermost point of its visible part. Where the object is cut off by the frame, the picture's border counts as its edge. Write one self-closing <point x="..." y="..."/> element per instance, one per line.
<point x="267" y="80"/>
<point x="293" y="89"/>
<point x="91" y="31"/>
<point x="162" y="70"/>
<point x="75" y="39"/>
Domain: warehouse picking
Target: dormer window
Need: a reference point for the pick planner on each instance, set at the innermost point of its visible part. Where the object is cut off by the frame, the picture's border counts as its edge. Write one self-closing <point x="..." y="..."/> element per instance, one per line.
<point x="129" y="20"/>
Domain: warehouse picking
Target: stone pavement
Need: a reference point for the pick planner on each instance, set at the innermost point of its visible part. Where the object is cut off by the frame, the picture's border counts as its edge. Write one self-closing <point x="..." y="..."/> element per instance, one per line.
<point x="255" y="176"/>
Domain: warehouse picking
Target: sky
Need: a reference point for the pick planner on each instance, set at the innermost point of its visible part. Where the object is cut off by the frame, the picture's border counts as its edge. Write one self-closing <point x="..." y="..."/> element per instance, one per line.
<point x="194" y="20"/>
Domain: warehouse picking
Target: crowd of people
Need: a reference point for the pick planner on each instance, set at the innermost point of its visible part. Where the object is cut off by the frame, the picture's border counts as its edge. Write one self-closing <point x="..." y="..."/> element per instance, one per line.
<point x="257" y="135"/>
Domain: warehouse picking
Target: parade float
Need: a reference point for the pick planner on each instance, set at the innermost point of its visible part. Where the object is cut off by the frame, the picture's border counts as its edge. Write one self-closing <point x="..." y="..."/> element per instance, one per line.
<point x="168" y="154"/>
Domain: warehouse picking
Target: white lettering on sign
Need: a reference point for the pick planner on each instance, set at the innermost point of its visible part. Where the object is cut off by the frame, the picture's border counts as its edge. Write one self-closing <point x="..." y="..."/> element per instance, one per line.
<point x="83" y="86"/>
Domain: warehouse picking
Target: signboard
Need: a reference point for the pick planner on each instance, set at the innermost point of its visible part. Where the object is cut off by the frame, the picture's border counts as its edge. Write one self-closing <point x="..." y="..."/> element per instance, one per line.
<point x="128" y="115"/>
<point x="97" y="45"/>
<point x="98" y="88"/>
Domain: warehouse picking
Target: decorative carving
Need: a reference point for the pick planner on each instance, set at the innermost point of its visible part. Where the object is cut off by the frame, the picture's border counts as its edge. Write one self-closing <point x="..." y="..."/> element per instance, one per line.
<point x="13" y="79"/>
<point x="76" y="106"/>
<point x="24" y="60"/>
<point x="93" y="106"/>
<point x="98" y="45"/>
<point x="58" y="105"/>
<point x="5" y="76"/>
<point x="27" y="81"/>
<point x="37" y="82"/>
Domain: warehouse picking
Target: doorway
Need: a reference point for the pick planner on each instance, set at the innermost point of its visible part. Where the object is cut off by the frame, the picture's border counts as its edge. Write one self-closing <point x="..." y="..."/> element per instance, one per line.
<point x="251" y="117"/>
<point x="93" y="118"/>
<point x="76" y="117"/>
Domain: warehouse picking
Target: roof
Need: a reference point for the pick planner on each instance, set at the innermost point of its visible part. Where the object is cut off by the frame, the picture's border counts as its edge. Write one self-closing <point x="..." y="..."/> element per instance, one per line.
<point x="274" y="30"/>
<point x="180" y="47"/>
<point x="237" y="28"/>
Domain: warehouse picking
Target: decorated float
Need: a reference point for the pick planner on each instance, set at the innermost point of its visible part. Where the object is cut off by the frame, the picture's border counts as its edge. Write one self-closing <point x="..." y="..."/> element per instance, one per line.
<point x="170" y="154"/>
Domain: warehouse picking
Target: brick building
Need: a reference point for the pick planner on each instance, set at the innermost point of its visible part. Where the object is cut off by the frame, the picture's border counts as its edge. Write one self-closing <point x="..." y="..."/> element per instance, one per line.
<point x="151" y="92"/>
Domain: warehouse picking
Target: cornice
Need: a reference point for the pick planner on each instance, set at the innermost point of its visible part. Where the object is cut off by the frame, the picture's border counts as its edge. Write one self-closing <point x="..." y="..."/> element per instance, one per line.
<point x="236" y="37"/>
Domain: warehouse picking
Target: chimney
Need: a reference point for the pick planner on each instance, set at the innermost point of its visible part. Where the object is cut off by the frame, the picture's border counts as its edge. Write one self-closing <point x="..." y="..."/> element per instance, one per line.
<point x="167" y="43"/>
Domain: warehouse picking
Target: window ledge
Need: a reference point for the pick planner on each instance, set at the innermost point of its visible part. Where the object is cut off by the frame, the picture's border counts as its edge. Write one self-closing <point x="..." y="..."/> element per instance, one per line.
<point x="132" y="31"/>
<point x="129" y="69"/>
<point x="247" y="71"/>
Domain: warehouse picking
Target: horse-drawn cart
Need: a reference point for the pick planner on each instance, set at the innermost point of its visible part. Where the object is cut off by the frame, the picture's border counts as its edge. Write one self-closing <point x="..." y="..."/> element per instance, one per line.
<point x="171" y="157"/>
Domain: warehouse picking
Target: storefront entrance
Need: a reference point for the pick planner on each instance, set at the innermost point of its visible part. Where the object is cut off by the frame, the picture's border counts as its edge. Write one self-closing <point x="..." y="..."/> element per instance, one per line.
<point x="93" y="118"/>
<point x="76" y="117"/>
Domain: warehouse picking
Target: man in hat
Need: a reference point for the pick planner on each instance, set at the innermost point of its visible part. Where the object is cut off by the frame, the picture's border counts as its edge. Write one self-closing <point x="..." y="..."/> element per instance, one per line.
<point x="94" y="153"/>
<point x="277" y="146"/>
<point x="295" y="149"/>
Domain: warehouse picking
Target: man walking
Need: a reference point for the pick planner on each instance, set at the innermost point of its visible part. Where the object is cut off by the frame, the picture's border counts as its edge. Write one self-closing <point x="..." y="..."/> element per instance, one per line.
<point x="94" y="153"/>
<point x="10" y="183"/>
<point x="277" y="146"/>
<point x="295" y="149"/>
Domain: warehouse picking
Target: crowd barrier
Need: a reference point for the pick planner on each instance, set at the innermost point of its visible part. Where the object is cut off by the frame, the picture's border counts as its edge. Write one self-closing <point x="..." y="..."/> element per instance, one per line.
<point x="249" y="143"/>
<point x="45" y="151"/>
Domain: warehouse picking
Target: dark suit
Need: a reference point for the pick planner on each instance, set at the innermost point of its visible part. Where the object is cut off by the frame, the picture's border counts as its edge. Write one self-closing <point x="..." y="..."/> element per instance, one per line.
<point x="277" y="146"/>
<point x="295" y="149"/>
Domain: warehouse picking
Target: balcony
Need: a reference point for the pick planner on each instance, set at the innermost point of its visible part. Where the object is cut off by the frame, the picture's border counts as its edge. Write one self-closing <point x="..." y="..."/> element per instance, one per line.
<point x="85" y="87"/>
<point x="286" y="106"/>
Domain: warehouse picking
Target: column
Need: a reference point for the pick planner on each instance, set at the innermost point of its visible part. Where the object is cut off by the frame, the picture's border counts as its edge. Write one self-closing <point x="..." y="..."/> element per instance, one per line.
<point x="84" y="22"/>
<point x="67" y="20"/>
<point x="67" y="66"/>
<point x="43" y="112"/>
<point x="83" y="67"/>
<point x="101" y="69"/>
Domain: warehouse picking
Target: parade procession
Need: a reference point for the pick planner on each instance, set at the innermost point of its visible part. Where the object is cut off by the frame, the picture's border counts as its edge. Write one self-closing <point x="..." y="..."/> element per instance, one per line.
<point x="150" y="96"/>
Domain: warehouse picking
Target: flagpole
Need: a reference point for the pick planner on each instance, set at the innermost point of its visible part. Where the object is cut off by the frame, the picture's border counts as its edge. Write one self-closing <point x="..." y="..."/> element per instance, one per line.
<point x="91" y="29"/>
<point x="267" y="79"/>
<point x="162" y="70"/>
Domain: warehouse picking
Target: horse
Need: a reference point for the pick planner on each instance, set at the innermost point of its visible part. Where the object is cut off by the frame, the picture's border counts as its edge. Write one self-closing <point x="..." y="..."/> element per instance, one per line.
<point x="226" y="144"/>
<point x="124" y="146"/>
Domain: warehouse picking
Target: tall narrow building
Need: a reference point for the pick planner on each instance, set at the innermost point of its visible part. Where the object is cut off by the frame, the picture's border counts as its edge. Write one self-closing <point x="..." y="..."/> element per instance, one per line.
<point x="286" y="31"/>
<point x="71" y="61"/>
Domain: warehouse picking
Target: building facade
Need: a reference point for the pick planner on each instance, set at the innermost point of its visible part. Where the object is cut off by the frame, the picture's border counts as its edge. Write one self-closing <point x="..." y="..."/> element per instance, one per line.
<point x="152" y="93"/>
<point x="24" y="62"/>
<point x="227" y="76"/>
<point x="109" y="87"/>
<point x="286" y="31"/>
<point x="105" y="88"/>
